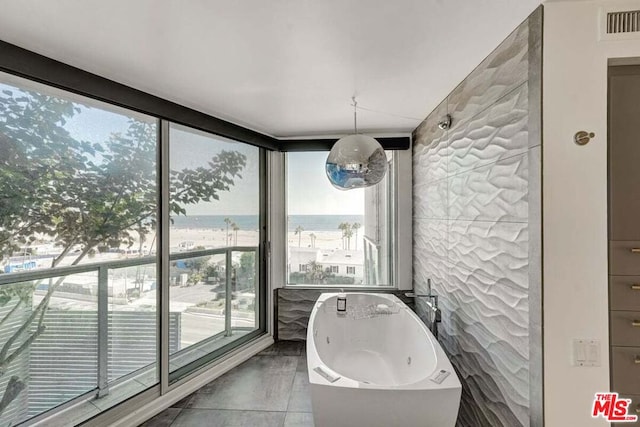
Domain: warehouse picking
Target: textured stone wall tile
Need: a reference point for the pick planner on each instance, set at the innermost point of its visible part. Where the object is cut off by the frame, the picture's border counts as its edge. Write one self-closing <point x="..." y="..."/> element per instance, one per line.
<point x="487" y="349"/>
<point x="294" y="309"/>
<point x="430" y="149"/>
<point x="535" y="85"/>
<point x="493" y="411"/>
<point x="430" y="162"/>
<point x="497" y="192"/>
<point x="536" y="408"/>
<point x="429" y="254"/>
<point x="428" y="130"/>
<point x="493" y="195"/>
<point x="425" y="268"/>
<point x="430" y="200"/>
<point x="495" y="300"/>
<point x="496" y="251"/>
<point x="498" y="132"/>
<point x="504" y="69"/>
<point x="430" y="238"/>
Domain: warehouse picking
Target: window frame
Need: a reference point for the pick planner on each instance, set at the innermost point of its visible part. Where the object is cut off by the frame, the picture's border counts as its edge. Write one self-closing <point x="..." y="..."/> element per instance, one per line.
<point x="167" y="381"/>
<point x="393" y="231"/>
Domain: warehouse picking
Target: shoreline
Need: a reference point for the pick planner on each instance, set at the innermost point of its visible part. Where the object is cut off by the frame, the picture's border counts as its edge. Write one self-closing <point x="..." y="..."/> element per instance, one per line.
<point x="184" y="240"/>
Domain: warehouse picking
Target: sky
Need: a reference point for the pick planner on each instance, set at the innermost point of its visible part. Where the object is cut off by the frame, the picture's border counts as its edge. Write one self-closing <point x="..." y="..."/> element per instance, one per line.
<point x="309" y="191"/>
<point x="191" y="149"/>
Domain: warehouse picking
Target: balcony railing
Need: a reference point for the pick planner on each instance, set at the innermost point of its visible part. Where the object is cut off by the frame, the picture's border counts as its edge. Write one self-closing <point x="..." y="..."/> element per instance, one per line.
<point x="58" y="275"/>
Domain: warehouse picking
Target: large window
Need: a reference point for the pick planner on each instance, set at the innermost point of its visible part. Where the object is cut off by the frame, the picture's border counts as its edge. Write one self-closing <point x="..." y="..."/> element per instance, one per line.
<point x="77" y="225"/>
<point x="80" y="234"/>
<point x="335" y="237"/>
<point x="215" y="231"/>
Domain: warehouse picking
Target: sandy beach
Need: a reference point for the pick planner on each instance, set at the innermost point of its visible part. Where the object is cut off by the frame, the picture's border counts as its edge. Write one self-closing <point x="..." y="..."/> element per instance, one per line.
<point x="214" y="238"/>
<point x="189" y="239"/>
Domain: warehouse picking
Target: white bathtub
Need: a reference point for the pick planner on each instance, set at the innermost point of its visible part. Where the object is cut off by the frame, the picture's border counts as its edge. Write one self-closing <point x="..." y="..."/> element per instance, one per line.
<point x="373" y="366"/>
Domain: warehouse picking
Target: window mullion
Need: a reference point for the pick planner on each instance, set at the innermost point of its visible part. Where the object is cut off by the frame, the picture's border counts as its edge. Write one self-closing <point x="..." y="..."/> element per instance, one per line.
<point x="163" y="260"/>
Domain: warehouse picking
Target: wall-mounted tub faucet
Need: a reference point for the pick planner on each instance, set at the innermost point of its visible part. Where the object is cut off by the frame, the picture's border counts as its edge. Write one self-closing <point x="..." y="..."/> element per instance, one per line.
<point x="432" y="303"/>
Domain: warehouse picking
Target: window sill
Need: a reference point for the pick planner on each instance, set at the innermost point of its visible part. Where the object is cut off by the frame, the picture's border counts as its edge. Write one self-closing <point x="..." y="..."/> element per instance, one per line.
<point x="343" y="287"/>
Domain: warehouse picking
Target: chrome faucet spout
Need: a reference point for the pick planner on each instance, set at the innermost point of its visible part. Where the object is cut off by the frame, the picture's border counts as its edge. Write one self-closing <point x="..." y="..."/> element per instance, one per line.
<point x="432" y="303"/>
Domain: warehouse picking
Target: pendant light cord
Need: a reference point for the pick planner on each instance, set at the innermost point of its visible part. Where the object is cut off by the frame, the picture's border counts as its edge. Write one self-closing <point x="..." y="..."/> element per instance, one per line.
<point x="355" y="115"/>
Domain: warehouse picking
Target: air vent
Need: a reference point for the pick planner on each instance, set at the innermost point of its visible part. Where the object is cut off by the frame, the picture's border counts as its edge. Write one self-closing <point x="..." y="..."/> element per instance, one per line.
<point x="623" y="22"/>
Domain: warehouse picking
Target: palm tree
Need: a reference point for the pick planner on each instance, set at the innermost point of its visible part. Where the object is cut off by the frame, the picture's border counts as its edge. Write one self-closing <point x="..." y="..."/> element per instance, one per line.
<point x="356" y="226"/>
<point x="228" y="222"/>
<point x="348" y="234"/>
<point x="299" y="231"/>
<point x="313" y="240"/>
<point x="235" y="228"/>
<point x="343" y="226"/>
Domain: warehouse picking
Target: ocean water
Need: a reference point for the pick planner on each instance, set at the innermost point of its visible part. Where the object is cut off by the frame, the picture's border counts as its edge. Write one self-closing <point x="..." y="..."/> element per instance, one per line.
<point x="250" y="222"/>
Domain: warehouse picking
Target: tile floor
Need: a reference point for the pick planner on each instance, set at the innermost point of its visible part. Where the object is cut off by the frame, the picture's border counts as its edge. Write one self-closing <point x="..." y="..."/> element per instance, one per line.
<point x="270" y="389"/>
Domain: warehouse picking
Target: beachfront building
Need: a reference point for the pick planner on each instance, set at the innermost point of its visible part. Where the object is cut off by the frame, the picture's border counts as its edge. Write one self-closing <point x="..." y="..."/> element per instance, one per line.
<point x="335" y="262"/>
<point x="344" y="263"/>
<point x="300" y="258"/>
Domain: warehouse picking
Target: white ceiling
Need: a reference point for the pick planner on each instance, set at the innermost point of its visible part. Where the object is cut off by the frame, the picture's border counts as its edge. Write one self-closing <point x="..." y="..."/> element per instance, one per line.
<point x="282" y="67"/>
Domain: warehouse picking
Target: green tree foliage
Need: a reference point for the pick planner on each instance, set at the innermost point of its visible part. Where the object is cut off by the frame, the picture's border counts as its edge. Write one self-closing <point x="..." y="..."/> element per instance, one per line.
<point x="83" y="193"/>
<point x="300" y="278"/>
<point x="247" y="270"/>
<point x="317" y="275"/>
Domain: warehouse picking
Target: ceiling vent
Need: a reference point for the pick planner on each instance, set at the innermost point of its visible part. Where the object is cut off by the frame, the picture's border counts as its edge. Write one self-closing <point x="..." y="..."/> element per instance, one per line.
<point x="623" y="22"/>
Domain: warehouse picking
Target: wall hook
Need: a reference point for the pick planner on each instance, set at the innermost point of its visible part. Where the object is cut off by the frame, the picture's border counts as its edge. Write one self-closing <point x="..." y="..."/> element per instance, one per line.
<point x="582" y="137"/>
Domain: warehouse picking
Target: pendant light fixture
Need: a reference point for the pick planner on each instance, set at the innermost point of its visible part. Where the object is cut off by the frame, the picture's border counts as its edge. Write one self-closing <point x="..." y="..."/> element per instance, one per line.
<point x="357" y="160"/>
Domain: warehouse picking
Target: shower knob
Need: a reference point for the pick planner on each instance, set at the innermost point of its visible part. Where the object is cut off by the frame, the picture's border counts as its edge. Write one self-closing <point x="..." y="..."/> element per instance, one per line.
<point x="445" y="123"/>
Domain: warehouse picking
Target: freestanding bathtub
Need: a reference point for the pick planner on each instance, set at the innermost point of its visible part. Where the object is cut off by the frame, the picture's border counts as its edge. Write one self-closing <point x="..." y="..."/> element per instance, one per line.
<point x="377" y="365"/>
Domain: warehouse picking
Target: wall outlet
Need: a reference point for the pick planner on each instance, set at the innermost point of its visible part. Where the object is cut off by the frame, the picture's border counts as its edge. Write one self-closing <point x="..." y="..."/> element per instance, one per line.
<point x="586" y="352"/>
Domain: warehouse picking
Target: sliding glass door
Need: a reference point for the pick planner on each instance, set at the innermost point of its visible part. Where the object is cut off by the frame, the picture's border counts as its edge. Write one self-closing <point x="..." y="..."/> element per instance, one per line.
<point x="214" y="241"/>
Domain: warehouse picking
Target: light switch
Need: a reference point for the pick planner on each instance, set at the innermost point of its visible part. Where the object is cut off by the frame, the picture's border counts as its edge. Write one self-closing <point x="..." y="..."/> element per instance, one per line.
<point x="586" y="352"/>
<point x="593" y="352"/>
<point x="579" y="352"/>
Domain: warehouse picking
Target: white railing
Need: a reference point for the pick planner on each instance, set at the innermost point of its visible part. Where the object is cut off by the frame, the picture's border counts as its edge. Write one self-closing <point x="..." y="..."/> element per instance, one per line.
<point x="102" y="269"/>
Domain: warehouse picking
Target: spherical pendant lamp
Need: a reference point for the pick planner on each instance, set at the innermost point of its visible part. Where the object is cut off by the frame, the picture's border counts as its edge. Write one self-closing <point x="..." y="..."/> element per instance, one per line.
<point x="356" y="161"/>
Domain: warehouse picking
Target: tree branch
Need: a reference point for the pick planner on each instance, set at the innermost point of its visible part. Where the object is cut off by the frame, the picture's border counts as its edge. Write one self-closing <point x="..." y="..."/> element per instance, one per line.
<point x="64" y="253"/>
<point x="40" y="308"/>
<point x="6" y="362"/>
<point x="12" y="391"/>
<point x="20" y="230"/>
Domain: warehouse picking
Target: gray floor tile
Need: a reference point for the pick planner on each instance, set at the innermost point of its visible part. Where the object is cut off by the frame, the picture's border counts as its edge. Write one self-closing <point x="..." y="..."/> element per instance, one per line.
<point x="224" y="418"/>
<point x="284" y="348"/>
<point x="298" y="419"/>
<point x="182" y="403"/>
<point x="163" y="419"/>
<point x="263" y="383"/>
<point x="302" y="364"/>
<point x="300" y="400"/>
